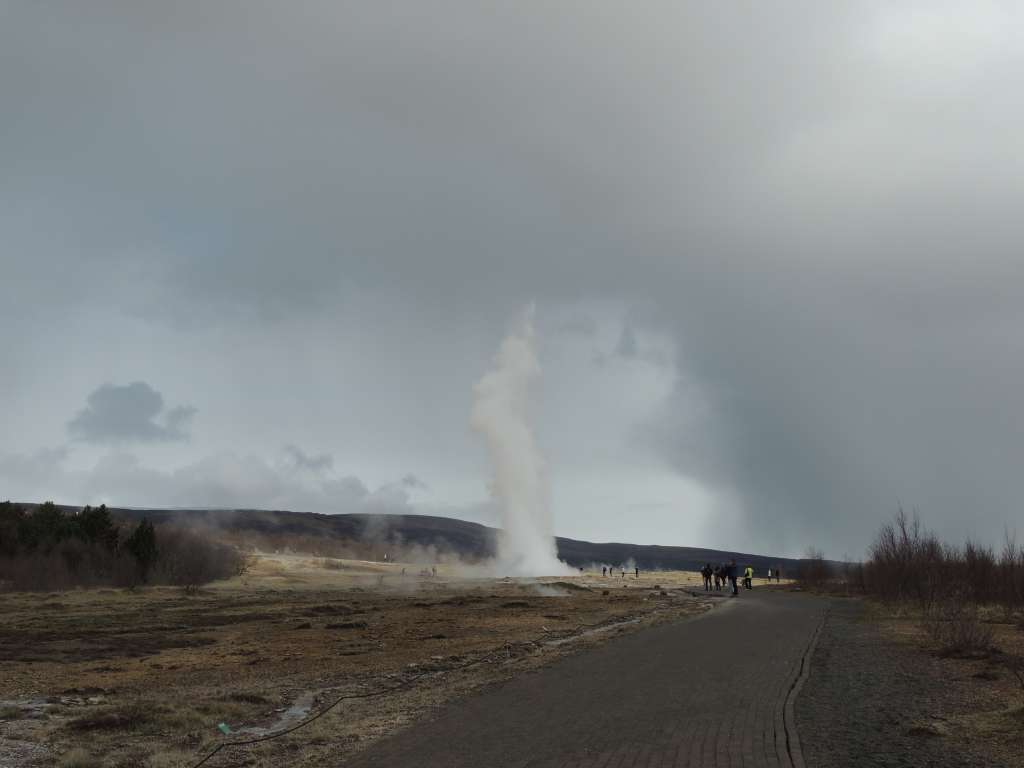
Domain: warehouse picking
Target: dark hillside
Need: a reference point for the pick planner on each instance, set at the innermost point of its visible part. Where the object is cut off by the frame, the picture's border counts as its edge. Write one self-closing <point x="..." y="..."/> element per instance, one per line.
<point x="469" y="540"/>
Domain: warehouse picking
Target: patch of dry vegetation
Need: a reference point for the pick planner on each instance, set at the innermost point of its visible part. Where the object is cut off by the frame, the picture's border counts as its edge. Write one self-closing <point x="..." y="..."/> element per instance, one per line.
<point x="964" y="605"/>
<point x="145" y="676"/>
<point x="984" y="697"/>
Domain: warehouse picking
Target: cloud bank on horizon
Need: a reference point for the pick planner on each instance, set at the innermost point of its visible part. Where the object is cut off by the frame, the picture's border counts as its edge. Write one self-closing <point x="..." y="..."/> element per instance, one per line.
<point x="775" y="251"/>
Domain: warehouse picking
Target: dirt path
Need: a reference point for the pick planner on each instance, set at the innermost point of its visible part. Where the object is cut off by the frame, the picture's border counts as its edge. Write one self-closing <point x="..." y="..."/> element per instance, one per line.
<point x="707" y="692"/>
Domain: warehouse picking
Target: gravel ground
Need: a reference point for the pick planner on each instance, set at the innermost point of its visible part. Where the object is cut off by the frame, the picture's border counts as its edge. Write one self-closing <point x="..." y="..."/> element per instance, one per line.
<point x="872" y="702"/>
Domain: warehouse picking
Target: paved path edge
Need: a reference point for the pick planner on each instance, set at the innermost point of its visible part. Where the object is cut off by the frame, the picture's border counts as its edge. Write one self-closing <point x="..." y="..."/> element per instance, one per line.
<point x="796" y="756"/>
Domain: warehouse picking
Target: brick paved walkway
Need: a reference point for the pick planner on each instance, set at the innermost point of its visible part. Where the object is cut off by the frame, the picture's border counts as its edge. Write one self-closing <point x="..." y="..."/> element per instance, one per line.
<point x="707" y="692"/>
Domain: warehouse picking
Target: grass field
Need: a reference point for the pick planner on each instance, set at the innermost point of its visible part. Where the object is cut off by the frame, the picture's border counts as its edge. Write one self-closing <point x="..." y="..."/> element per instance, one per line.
<point x="145" y="677"/>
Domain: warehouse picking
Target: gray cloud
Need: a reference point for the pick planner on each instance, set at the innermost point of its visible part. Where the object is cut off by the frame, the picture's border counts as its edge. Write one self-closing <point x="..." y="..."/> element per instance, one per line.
<point x="411" y="481"/>
<point x="314" y="463"/>
<point x="627" y="345"/>
<point x="817" y="205"/>
<point x="129" y="412"/>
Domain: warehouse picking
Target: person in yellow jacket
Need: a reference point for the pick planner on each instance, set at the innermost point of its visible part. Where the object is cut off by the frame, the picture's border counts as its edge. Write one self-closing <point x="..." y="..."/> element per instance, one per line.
<point x="748" y="576"/>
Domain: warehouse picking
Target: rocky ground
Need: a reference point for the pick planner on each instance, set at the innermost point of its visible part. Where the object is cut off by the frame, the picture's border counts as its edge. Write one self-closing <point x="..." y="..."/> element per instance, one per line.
<point x="878" y="695"/>
<point x="146" y="677"/>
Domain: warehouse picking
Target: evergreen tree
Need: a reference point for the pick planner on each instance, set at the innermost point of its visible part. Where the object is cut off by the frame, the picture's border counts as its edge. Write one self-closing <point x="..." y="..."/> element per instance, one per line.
<point x="43" y="528"/>
<point x="142" y="544"/>
<point x="96" y="526"/>
<point x="11" y="516"/>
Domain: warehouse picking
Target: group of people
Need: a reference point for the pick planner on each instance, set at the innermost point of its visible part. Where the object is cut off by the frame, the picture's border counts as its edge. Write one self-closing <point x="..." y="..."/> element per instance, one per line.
<point x="609" y="570"/>
<point x="727" y="573"/>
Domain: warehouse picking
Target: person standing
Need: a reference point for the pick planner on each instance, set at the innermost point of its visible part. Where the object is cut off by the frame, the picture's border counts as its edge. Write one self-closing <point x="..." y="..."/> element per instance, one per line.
<point x="706" y="573"/>
<point x="732" y="574"/>
<point x="604" y="570"/>
<point x="748" y="577"/>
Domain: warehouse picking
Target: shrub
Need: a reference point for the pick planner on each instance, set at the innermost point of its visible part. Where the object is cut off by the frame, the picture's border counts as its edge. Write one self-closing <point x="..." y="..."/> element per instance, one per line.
<point x="189" y="560"/>
<point x="908" y="563"/>
<point x="954" y="624"/>
<point x="813" y="571"/>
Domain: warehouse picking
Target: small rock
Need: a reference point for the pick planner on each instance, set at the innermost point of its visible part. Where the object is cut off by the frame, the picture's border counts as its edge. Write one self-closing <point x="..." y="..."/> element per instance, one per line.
<point x="928" y="730"/>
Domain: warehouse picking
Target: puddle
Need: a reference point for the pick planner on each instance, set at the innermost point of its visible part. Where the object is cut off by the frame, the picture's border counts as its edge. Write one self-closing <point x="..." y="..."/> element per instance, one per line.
<point x="299" y="709"/>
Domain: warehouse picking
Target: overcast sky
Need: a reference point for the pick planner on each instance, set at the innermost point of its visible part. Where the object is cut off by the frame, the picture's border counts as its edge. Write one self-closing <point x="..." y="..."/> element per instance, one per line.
<point x="256" y="254"/>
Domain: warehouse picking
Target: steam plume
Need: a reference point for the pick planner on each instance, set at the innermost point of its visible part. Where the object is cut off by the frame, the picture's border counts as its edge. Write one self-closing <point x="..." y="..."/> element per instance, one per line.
<point x="526" y="545"/>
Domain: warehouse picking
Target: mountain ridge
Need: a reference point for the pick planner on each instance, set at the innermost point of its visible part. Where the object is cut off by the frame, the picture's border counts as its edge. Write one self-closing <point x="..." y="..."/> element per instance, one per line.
<point x="463" y="538"/>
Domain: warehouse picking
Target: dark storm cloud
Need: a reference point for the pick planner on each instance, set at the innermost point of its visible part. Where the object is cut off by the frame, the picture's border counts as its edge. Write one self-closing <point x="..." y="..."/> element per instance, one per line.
<point x="129" y="412"/>
<point x="817" y="202"/>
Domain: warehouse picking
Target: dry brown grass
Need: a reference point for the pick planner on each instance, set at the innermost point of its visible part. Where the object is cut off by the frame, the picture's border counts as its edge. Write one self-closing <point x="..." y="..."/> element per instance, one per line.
<point x="174" y="758"/>
<point x="147" y="675"/>
<point x="977" y="655"/>
<point x="79" y="758"/>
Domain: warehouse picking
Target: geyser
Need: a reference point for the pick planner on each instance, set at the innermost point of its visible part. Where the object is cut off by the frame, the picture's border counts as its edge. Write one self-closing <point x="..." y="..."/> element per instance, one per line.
<point x="526" y="544"/>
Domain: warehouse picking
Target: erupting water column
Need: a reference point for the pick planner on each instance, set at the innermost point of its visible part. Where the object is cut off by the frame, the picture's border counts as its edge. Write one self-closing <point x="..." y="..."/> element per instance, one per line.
<point x="526" y="545"/>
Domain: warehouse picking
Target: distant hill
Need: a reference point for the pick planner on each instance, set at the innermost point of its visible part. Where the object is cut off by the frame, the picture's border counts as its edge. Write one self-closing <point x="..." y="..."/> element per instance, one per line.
<point x="472" y="541"/>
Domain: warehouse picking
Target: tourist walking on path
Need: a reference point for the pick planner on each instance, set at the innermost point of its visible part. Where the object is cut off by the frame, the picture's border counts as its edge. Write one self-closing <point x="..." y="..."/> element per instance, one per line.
<point x="732" y="574"/>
